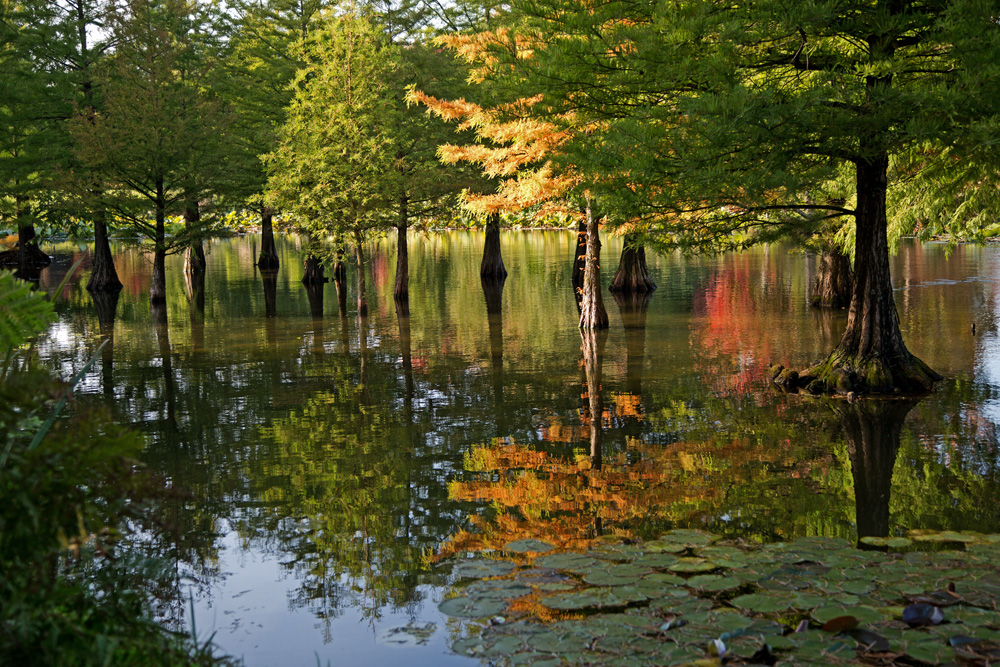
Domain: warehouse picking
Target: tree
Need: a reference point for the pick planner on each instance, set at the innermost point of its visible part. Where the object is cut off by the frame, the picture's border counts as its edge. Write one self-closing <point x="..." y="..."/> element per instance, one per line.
<point x="711" y="120"/>
<point x="518" y="153"/>
<point x="266" y="42"/>
<point x="156" y="136"/>
<point x="335" y="168"/>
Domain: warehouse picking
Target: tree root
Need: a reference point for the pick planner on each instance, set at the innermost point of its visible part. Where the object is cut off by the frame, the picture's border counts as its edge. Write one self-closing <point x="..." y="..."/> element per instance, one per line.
<point x="843" y="375"/>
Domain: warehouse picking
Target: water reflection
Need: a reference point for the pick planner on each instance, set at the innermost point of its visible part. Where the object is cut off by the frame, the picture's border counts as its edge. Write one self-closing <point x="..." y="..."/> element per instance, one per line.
<point x="872" y="429"/>
<point x="351" y="462"/>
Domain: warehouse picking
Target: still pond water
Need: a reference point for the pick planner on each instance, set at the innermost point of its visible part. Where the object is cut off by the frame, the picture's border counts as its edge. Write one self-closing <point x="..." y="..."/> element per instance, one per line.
<point x="334" y="464"/>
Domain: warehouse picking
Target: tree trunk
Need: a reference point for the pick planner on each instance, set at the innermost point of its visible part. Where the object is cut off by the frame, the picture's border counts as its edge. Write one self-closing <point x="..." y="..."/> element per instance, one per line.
<point x="592" y="312"/>
<point x="492" y="264"/>
<point x="314" y="271"/>
<point x="29" y="256"/>
<point x="340" y="282"/>
<point x="359" y="258"/>
<point x="268" y="259"/>
<point x="871" y="356"/>
<point x="580" y="256"/>
<point x="194" y="256"/>
<point x="872" y="429"/>
<point x="632" y="275"/>
<point x="103" y="276"/>
<point x="402" y="291"/>
<point x="832" y="287"/>
<point x="158" y="283"/>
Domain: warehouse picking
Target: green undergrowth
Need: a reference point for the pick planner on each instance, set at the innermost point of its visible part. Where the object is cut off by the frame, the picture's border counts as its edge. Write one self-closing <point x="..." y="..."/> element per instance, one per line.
<point x="691" y="597"/>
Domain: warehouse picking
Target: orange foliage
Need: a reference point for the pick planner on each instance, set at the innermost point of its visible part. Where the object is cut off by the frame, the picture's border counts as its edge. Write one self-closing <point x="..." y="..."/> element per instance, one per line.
<point x="516" y="152"/>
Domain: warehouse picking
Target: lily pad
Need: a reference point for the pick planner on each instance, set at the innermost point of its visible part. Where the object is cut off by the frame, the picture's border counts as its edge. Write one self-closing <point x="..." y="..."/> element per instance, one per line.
<point x="481" y="568"/>
<point x="862" y="613"/>
<point x="565" y="561"/>
<point x="528" y="546"/>
<point x="497" y="589"/>
<point x="761" y="603"/>
<point x="891" y="542"/>
<point x="713" y="582"/>
<point x="692" y="565"/>
<point x="465" y="607"/>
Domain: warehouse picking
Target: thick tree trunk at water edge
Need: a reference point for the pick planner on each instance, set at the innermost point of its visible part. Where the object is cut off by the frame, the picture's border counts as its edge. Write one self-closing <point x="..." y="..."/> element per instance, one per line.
<point x="592" y="312"/>
<point x="359" y="256"/>
<point x="29" y="256"/>
<point x="103" y="276"/>
<point x="871" y="356"/>
<point x="492" y="264"/>
<point x="268" y="260"/>
<point x="834" y="278"/>
<point x="632" y="275"/>
<point x="313" y="271"/>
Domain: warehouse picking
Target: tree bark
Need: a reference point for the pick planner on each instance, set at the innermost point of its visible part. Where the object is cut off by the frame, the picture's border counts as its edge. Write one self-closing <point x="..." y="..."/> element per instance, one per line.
<point x="359" y="258"/>
<point x="29" y="256"/>
<point x="871" y="356"/>
<point x="401" y="294"/>
<point x="314" y="271"/>
<point x="158" y="283"/>
<point x="268" y="259"/>
<point x="580" y="255"/>
<point x="492" y="264"/>
<point x="592" y="312"/>
<point x="632" y="275"/>
<point x="194" y="256"/>
<point x="834" y="278"/>
<point x="103" y="276"/>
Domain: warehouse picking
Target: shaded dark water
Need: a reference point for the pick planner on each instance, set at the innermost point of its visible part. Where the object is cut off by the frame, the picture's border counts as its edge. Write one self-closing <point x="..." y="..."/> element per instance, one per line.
<point x="332" y="462"/>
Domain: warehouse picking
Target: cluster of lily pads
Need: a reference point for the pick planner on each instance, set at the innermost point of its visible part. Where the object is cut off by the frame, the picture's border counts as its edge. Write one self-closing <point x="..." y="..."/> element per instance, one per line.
<point x="691" y="597"/>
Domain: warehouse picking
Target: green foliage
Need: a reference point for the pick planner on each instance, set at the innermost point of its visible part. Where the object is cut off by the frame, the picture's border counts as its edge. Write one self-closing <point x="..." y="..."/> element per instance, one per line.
<point x="23" y="312"/>
<point x="77" y="587"/>
<point x="335" y="168"/>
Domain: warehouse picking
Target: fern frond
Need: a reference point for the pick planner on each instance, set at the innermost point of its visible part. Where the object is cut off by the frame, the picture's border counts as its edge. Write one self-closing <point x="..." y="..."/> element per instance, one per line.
<point x="23" y="313"/>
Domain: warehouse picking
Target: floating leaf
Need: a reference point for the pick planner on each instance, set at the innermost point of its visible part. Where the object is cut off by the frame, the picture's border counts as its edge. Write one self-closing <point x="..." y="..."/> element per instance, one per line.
<point x="862" y="613"/>
<point x="497" y="589"/>
<point x="692" y="565"/>
<point x="934" y="653"/>
<point x="528" y="546"/>
<point x="464" y="607"/>
<point x="869" y="640"/>
<point x="891" y="542"/>
<point x="557" y="642"/>
<point x="713" y="582"/>
<point x="481" y="568"/>
<point x="761" y="603"/>
<point x="565" y="561"/>
<point x="840" y="624"/>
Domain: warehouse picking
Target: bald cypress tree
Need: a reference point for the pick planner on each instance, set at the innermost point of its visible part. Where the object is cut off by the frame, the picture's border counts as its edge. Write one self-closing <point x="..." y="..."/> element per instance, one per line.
<point x="712" y="121"/>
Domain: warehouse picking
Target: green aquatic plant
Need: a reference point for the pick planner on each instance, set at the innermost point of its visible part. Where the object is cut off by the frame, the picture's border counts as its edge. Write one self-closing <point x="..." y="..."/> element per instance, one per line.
<point x="807" y="601"/>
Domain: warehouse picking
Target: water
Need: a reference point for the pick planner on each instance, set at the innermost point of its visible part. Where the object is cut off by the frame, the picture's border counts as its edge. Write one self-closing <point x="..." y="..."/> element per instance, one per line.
<point x="333" y="464"/>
